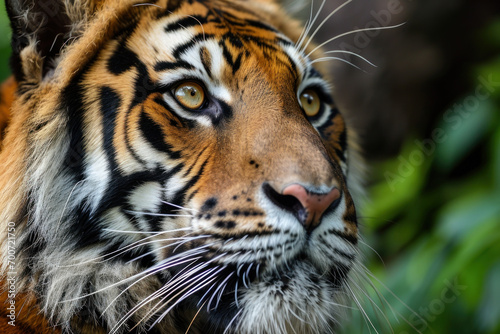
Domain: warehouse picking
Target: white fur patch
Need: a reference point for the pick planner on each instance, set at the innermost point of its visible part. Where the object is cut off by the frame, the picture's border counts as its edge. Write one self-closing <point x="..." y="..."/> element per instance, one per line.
<point x="146" y="197"/>
<point x="305" y="304"/>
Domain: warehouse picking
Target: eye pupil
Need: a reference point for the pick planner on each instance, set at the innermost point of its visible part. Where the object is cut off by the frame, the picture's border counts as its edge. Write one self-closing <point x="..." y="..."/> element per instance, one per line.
<point x="190" y="95"/>
<point x="311" y="103"/>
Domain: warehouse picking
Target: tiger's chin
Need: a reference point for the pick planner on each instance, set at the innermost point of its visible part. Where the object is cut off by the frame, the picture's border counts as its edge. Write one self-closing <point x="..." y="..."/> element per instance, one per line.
<point x="300" y="297"/>
<point x="304" y="299"/>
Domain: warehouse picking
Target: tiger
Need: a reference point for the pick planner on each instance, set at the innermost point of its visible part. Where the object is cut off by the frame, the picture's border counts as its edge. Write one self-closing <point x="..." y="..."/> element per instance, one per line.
<point x="173" y="166"/>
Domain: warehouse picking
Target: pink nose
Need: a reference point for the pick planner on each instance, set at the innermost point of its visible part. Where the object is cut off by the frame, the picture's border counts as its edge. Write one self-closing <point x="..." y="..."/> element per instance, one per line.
<point x="314" y="204"/>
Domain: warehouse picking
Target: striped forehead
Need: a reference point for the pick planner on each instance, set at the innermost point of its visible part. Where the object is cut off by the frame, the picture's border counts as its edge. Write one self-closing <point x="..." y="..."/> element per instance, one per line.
<point x="202" y="48"/>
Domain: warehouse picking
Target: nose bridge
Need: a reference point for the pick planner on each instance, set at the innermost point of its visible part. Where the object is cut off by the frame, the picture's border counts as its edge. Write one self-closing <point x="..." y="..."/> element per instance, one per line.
<point x="278" y="136"/>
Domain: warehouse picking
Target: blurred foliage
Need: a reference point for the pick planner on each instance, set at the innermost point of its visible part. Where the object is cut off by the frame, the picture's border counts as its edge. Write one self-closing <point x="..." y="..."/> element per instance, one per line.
<point x="4" y="43"/>
<point x="434" y="217"/>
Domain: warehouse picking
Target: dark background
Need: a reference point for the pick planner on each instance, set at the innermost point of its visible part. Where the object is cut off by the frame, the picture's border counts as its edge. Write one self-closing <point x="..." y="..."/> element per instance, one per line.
<point x="429" y="124"/>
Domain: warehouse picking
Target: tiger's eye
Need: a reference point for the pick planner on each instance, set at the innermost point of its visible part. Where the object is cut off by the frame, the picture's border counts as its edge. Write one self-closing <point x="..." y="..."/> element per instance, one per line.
<point x="310" y="102"/>
<point x="190" y="94"/>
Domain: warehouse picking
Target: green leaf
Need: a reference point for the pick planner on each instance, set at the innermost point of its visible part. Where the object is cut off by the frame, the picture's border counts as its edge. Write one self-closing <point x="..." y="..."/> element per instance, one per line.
<point x="464" y="126"/>
<point x="401" y="181"/>
<point x="488" y="313"/>
<point x="462" y="216"/>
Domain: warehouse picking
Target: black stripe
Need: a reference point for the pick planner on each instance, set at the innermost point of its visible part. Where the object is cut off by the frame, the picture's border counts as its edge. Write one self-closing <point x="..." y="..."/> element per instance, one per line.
<point x="143" y="87"/>
<point x="196" y="39"/>
<point x="293" y="69"/>
<point x="225" y="52"/>
<point x="174" y="120"/>
<point x="31" y="246"/>
<point x="261" y="25"/>
<point x="235" y="65"/>
<point x="233" y="39"/>
<point x="155" y="136"/>
<point x="72" y="103"/>
<point x="196" y="159"/>
<point x="343" y="140"/>
<point x="347" y="237"/>
<point x="284" y="41"/>
<point x="166" y="65"/>
<point x="181" y="194"/>
<point x="351" y="217"/>
<point x="118" y="190"/>
<point x="187" y="22"/>
<point x="86" y="226"/>
<point x="350" y="257"/>
<point x="110" y="104"/>
<point x="338" y="275"/>
<point x="312" y="73"/>
<point x="122" y="60"/>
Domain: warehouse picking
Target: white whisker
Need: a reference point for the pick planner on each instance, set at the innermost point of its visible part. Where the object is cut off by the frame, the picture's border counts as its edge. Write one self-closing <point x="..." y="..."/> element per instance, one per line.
<point x="201" y="25"/>
<point x="155" y="214"/>
<point x="146" y="4"/>
<point x="360" y="307"/>
<point x="372" y="302"/>
<point x="306" y="26"/>
<point x="193" y="238"/>
<point x="323" y="22"/>
<point x="353" y="32"/>
<point x="221" y="287"/>
<point x="178" y="206"/>
<point x="336" y="58"/>
<point x="175" y="281"/>
<point x="182" y="241"/>
<point x="205" y="282"/>
<point x="247" y="276"/>
<point x="192" y="321"/>
<point x="145" y="232"/>
<point x="371" y="248"/>
<point x="236" y="294"/>
<point x="396" y="297"/>
<point x="306" y="35"/>
<point x="231" y="322"/>
<point x="106" y="257"/>
<point x="354" y="54"/>
<point x="173" y="284"/>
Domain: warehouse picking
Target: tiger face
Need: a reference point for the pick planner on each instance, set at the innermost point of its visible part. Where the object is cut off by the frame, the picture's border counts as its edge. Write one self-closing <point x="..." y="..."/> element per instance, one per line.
<point x="185" y="170"/>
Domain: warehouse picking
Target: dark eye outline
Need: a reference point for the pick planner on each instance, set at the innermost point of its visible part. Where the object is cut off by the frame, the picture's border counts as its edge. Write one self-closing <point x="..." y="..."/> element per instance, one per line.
<point x="177" y="85"/>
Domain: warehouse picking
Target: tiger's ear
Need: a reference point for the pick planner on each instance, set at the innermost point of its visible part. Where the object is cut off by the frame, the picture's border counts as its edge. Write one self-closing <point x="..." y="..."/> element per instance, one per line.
<point x="40" y="31"/>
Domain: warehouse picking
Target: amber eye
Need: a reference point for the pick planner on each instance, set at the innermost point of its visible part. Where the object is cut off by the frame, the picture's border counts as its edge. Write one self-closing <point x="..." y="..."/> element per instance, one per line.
<point x="190" y="94"/>
<point x="310" y="102"/>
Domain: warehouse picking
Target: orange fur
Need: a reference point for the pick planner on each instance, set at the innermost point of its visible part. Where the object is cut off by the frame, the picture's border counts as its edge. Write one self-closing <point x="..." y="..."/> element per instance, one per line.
<point x="7" y="91"/>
